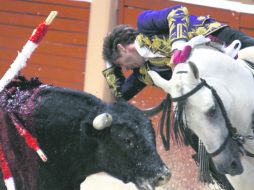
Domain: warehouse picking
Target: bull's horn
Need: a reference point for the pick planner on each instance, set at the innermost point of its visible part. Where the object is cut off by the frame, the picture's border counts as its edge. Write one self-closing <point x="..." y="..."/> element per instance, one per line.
<point x="102" y="121"/>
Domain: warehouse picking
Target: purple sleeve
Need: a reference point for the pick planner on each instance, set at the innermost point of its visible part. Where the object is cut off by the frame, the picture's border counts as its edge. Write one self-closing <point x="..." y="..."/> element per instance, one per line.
<point x="152" y="22"/>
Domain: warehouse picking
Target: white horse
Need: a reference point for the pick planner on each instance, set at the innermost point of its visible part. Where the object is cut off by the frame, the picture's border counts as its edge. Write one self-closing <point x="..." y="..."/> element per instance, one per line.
<point x="216" y="94"/>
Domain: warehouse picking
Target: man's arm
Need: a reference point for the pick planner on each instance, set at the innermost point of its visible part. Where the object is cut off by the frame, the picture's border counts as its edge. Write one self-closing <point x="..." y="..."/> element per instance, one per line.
<point x="121" y="87"/>
<point x="173" y="21"/>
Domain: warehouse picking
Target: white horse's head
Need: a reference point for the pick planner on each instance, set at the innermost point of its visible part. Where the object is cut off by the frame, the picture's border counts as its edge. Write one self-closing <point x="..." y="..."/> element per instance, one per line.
<point x="204" y="111"/>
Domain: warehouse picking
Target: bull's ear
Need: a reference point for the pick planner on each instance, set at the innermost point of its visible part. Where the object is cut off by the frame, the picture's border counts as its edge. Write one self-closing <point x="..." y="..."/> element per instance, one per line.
<point x="102" y="121"/>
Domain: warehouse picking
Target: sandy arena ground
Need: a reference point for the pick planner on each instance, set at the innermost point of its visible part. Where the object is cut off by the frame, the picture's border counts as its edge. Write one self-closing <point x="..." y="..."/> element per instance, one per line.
<point x="102" y="181"/>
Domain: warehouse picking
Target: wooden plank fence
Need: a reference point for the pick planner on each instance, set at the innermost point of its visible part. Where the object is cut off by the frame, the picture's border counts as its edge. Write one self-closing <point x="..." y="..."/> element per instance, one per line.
<point x="60" y="58"/>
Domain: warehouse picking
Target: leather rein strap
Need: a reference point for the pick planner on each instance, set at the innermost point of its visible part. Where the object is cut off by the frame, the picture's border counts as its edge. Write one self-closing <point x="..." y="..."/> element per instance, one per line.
<point x="232" y="132"/>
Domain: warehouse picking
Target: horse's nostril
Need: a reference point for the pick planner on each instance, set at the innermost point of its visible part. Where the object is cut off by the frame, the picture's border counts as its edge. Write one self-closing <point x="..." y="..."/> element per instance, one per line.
<point x="234" y="165"/>
<point x="235" y="168"/>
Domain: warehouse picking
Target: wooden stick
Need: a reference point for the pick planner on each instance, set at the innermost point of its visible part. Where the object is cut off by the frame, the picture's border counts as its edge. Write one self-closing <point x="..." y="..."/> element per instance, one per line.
<point x="51" y="17"/>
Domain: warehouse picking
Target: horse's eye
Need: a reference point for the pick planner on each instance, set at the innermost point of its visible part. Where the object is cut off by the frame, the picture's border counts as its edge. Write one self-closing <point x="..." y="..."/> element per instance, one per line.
<point x="211" y="112"/>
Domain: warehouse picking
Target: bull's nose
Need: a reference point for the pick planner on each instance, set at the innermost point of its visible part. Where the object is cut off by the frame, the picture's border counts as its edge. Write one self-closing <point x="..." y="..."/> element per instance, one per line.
<point x="163" y="177"/>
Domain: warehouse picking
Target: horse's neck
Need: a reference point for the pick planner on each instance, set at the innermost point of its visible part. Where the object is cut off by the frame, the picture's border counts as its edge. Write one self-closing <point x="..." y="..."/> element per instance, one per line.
<point x="216" y="66"/>
<point x="226" y="74"/>
<point x="212" y="63"/>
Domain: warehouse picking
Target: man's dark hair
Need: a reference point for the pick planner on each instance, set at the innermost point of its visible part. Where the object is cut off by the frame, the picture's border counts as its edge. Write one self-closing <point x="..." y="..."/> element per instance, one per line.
<point x="121" y="34"/>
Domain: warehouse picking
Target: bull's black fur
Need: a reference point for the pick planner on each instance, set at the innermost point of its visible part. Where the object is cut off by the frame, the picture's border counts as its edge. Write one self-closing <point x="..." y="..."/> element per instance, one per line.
<point x="61" y="119"/>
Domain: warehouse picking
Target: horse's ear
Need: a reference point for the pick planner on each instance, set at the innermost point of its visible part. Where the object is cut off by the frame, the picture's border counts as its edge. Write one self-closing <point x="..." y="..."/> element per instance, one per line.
<point x="194" y="69"/>
<point x="160" y="82"/>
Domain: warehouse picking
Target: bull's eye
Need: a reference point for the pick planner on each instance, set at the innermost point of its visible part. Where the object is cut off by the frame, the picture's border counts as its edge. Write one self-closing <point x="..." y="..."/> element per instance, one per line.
<point x="128" y="142"/>
<point x="211" y="112"/>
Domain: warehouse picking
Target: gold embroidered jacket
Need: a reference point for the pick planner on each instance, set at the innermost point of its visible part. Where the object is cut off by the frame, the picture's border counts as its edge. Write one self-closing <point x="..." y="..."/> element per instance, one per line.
<point x="158" y="30"/>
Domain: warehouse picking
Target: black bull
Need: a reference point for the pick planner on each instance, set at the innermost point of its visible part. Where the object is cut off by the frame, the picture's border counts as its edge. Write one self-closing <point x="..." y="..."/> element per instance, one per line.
<point x="62" y="121"/>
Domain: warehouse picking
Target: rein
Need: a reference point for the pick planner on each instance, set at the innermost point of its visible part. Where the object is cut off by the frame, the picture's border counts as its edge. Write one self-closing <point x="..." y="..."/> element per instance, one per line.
<point x="190" y="93"/>
<point x="153" y="111"/>
<point x="232" y="131"/>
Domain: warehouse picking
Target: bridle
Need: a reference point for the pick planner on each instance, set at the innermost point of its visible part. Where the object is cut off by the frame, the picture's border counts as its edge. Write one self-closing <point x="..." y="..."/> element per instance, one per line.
<point x="232" y="131"/>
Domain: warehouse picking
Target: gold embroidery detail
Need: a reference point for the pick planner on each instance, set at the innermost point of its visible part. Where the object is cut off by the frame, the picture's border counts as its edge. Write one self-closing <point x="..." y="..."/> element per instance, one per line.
<point x="213" y="26"/>
<point x="200" y="30"/>
<point x="201" y="18"/>
<point x="155" y="44"/>
<point x="159" y="61"/>
<point x="178" y="30"/>
<point x="204" y="30"/>
<point x="112" y="82"/>
<point x="142" y="70"/>
<point x="145" y="77"/>
<point x="185" y="10"/>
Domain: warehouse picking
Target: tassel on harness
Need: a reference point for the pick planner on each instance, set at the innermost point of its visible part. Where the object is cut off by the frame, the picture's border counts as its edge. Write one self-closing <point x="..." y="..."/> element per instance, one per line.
<point x="165" y="107"/>
<point x="165" y="122"/>
<point x="203" y="167"/>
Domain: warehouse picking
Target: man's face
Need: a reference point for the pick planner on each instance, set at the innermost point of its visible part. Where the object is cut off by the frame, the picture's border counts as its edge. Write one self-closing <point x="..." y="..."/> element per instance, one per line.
<point x="129" y="57"/>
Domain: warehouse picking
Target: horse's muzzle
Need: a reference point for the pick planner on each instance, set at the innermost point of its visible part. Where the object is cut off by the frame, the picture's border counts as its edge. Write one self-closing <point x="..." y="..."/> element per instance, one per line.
<point x="235" y="168"/>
